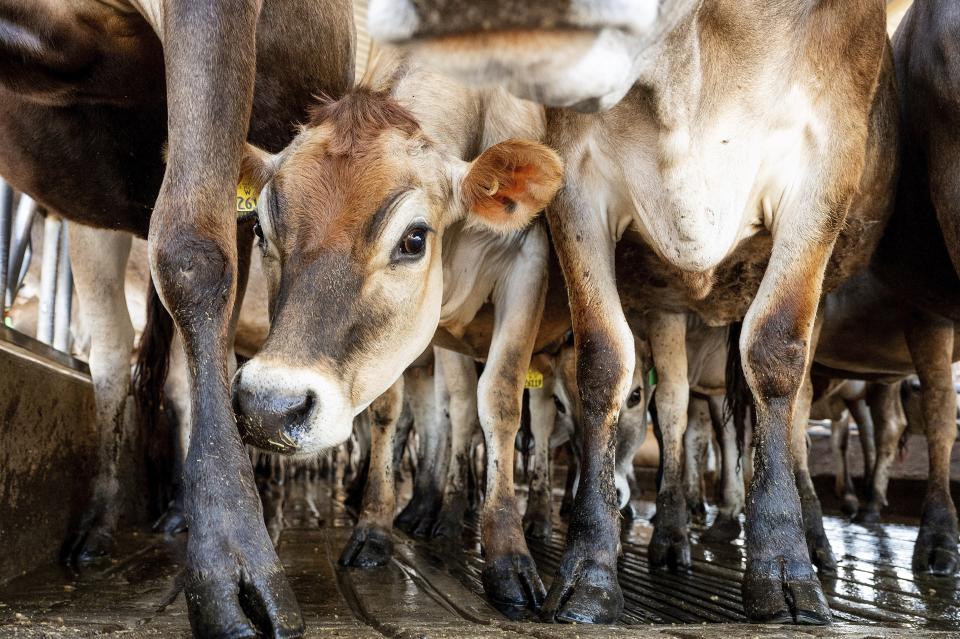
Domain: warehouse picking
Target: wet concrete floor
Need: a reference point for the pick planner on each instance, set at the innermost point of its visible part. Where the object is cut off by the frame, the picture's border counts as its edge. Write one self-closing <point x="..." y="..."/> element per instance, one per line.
<point x="434" y="591"/>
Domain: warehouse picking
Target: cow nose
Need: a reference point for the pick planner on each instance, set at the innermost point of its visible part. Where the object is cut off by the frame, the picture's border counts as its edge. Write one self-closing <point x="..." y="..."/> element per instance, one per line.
<point x="270" y="418"/>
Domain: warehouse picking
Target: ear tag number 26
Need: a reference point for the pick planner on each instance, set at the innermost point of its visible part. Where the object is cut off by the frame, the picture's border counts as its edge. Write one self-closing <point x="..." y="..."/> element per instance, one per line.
<point x="246" y="198"/>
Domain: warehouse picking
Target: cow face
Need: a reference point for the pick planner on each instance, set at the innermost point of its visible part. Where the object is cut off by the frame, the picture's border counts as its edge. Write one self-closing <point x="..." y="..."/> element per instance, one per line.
<point x="351" y="225"/>
<point x="572" y="53"/>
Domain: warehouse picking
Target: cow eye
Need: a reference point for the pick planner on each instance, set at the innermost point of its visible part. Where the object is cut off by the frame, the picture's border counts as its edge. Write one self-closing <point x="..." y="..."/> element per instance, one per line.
<point x="635" y="397"/>
<point x="414" y="243"/>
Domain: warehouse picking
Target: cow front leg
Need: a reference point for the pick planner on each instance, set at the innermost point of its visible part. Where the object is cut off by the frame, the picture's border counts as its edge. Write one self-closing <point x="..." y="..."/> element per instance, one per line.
<point x="99" y="262"/>
<point x="780" y="584"/>
<point x="931" y="345"/>
<point x="670" y="544"/>
<point x="538" y="518"/>
<point x="821" y="554"/>
<point x="510" y="577"/>
<point x="726" y="527"/>
<point x="234" y="583"/>
<point x="433" y="436"/>
<point x="585" y="588"/>
<point x="885" y="405"/>
<point x="458" y="389"/>
<point x="371" y="543"/>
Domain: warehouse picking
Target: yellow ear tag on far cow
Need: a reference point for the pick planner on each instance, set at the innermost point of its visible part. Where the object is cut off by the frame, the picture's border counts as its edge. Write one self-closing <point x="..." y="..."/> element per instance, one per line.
<point x="246" y="198"/>
<point x="534" y="379"/>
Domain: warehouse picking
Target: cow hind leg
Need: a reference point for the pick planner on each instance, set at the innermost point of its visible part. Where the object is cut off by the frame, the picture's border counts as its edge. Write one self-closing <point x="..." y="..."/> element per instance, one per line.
<point x="842" y="483"/>
<point x="696" y="443"/>
<point x="821" y="554"/>
<point x="726" y="527"/>
<point x="884" y="402"/>
<point x="931" y="344"/>
<point x="419" y="515"/>
<point x="99" y="262"/>
<point x="670" y="545"/>
<point x="371" y="543"/>
<point x="457" y="390"/>
<point x="538" y="518"/>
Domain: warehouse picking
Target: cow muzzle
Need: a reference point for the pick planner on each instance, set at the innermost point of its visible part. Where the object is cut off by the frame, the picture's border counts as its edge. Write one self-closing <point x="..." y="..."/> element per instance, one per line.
<point x="290" y="410"/>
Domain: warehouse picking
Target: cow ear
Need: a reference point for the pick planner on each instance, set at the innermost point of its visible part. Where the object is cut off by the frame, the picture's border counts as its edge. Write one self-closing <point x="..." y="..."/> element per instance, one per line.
<point x="255" y="168"/>
<point x="510" y="183"/>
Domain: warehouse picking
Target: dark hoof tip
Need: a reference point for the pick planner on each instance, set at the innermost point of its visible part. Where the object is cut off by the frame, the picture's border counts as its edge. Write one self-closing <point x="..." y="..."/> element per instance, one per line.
<point x="724" y="530"/>
<point x="538" y="528"/>
<point x="588" y="594"/>
<point x="367" y="548"/>
<point x="670" y="552"/>
<point x="629" y="512"/>
<point x="781" y="599"/>
<point x="823" y="559"/>
<point x="850" y="505"/>
<point x="172" y="522"/>
<point x="512" y="584"/>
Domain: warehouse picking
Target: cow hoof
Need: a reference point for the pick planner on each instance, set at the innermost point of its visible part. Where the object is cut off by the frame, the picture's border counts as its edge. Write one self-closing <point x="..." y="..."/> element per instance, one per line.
<point x="417" y="519"/>
<point x="537" y="526"/>
<point x="935" y="553"/>
<point x="870" y="515"/>
<point x="449" y="526"/>
<point x="587" y="592"/>
<point x="821" y="555"/>
<point x="783" y="591"/>
<point x="173" y="521"/>
<point x="629" y="512"/>
<point x="264" y="606"/>
<point x="725" y="529"/>
<point x="669" y="550"/>
<point x="850" y="505"/>
<point x="512" y="584"/>
<point x="368" y="547"/>
<point x="91" y="544"/>
<point x="698" y="511"/>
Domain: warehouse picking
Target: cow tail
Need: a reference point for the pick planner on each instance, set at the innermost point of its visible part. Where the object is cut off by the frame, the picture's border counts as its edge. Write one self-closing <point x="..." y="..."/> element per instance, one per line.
<point x="739" y="399"/>
<point x="155" y="427"/>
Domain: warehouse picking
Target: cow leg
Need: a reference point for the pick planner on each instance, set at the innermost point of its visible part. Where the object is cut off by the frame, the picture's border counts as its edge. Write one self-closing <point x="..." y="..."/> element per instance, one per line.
<point x="433" y="436"/>
<point x="509" y="576"/>
<point x="585" y="588"/>
<point x="842" y="483"/>
<point x="353" y="498"/>
<point x="821" y="554"/>
<point x="865" y="431"/>
<point x="884" y="402"/>
<point x="234" y="583"/>
<point x="538" y="518"/>
<point x="726" y="527"/>
<point x="459" y="386"/>
<point x="99" y="261"/>
<point x="931" y="345"/>
<point x="371" y="542"/>
<point x="780" y="584"/>
<point x="696" y="441"/>
<point x="670" y="545"/>
<point x="177" y="391"/>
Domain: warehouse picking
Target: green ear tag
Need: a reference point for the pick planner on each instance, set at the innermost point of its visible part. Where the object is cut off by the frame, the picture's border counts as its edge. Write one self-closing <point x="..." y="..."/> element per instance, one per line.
<point x="652" y="377"/>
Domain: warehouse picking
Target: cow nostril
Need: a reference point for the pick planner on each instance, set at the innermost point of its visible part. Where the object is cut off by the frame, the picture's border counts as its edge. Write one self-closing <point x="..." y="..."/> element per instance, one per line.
<point x="306" y="405"/>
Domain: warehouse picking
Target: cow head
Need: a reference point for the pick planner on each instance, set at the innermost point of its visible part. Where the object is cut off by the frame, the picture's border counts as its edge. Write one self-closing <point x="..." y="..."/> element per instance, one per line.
<point x="566" y="53"/>
<point x="351" y="222"/>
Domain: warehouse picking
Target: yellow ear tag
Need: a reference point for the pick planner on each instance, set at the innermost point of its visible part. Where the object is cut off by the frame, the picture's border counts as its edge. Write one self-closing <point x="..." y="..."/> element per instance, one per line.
<point x="534" y="379"/>
<point x="246" y="198"/>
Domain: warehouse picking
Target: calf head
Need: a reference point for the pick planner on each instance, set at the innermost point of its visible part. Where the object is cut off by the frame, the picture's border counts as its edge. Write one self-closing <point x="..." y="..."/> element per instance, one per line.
<point x="571" y="53"/>
<point x="351" y="222"/>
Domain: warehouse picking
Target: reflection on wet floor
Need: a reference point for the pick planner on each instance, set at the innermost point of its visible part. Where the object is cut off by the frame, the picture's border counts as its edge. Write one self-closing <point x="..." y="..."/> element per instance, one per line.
<point x="433" y="589"/>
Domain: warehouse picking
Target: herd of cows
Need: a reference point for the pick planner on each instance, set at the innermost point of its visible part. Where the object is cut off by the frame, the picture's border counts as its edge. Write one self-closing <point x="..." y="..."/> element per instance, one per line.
<point x="745" y="203"/>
